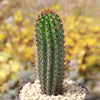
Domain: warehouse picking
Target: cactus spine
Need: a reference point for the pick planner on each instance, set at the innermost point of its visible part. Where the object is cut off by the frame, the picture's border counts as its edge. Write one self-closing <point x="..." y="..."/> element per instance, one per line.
<point x="50" y="51"/>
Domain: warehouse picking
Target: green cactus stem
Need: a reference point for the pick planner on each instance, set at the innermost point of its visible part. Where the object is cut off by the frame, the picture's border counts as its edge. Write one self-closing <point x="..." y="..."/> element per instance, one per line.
<point x="50" y="51"/>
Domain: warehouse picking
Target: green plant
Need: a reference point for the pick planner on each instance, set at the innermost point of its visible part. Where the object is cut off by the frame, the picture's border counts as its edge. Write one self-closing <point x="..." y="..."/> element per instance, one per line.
<point x="50" y="51"/>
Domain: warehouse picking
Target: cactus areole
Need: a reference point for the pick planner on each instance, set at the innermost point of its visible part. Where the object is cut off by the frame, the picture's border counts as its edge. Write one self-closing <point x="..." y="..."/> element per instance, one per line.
<point x="50" y="51"/>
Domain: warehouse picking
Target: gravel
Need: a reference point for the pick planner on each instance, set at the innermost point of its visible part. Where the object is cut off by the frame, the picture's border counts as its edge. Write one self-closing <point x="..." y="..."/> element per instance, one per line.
<point x="72" y="91"/>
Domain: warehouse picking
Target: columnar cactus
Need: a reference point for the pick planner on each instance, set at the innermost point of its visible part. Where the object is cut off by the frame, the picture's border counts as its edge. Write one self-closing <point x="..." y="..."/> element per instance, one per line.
<point x="50" y="51"/>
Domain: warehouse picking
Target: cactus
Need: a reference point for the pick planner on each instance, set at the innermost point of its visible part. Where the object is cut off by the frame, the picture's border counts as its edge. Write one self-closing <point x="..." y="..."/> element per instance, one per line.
<point x="50" y="50"/>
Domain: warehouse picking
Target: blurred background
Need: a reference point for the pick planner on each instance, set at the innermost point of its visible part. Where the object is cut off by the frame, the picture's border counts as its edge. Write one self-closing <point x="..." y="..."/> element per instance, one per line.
<point x="81" y="20"/>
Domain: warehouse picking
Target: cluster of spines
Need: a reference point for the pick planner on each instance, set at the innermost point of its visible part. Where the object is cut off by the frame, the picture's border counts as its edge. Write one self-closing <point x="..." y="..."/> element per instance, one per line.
<point x="50" y="48"/>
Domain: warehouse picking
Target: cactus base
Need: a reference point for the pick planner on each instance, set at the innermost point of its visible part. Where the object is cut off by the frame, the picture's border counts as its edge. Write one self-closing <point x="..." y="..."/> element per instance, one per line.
<point x="71" y="91"/>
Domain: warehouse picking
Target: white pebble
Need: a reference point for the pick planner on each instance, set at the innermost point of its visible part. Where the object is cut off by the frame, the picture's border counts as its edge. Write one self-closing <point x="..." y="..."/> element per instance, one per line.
<point x="32" y="91"/>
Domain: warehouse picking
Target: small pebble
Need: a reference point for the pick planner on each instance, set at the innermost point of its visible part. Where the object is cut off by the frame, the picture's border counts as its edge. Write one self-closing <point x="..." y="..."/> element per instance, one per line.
<point x="32" y="90"/>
